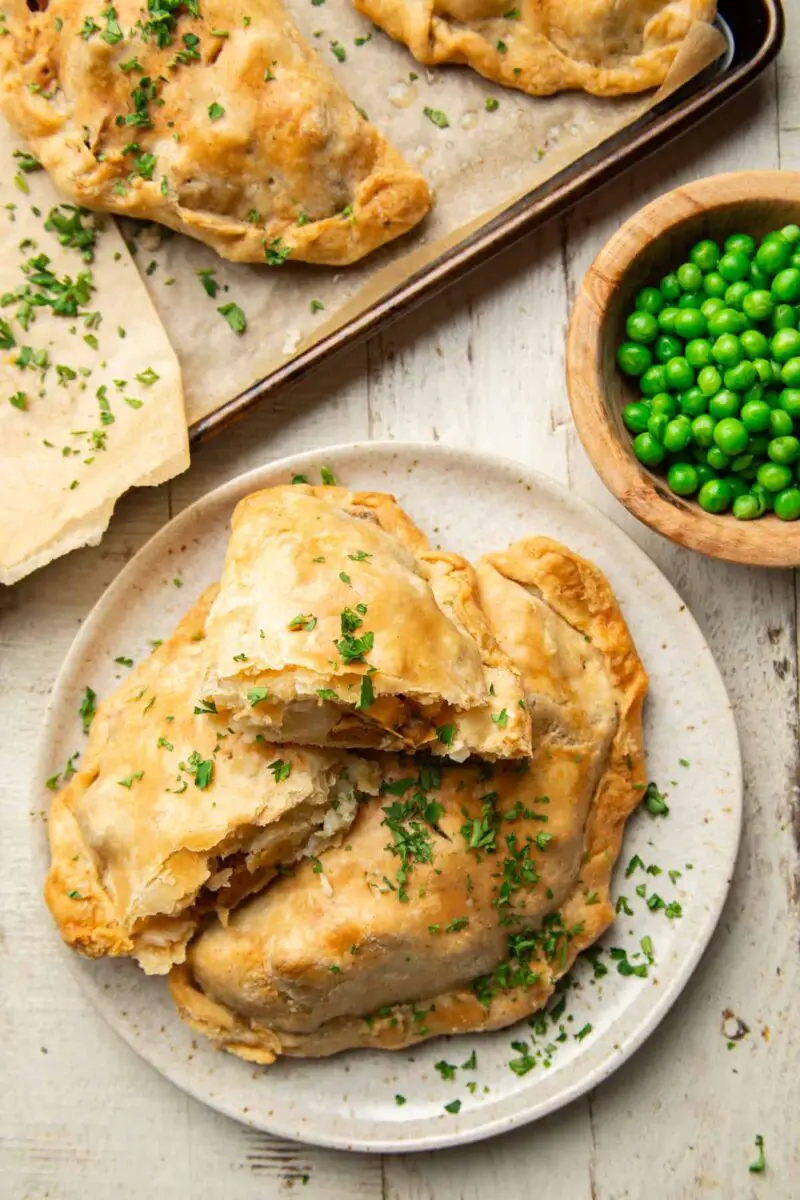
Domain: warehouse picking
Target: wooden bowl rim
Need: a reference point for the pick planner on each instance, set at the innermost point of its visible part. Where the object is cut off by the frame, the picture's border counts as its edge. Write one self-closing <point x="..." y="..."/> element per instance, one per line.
<point x="768" y="542"/>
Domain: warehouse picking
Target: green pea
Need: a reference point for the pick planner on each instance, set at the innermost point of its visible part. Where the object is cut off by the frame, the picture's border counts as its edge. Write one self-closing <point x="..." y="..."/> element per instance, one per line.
<point x="780" y="423"/>
<point x="742" y="242"/>
<point x="771" y="475"/>
<point x="794" y="261"/>
<point x="683" y="479"/>
<point x="741" y="377"/>
<point x="669" y="287"/>
<point x="738" y="486"/>
<point x="711" y="306"/>
<point x="790" y="374"/>
<point x="755" y="416"/>
<point x="746" y="508"/>
<point x="656" y="425"/>
<point x="649" y="300"/>
<point x="690" y="323"/>
<point x="784" y="317"/>
<point x="727" y="320"/>
<point x="709" y="380"/>
<point x="787" y="504"/>
<point x="666" y="347"/>
<point x="763" y="370"/>
<point x="734" y="266"/>
<point x="703" y="430"/>
<point x="690" y="277"/>
<point x="758" y="444"/>
<point x="777" y="370"/>
<point x="756" y="392"/>
<point x="763" y="496"/>
<point x="742" y="463"/>
<point x="679" y="374"/>
<point x="677" y="434"/>
<point x="758" y="305"/>
<point x="774" y="253"/>
<point x="664" y="403"/>
<point x="654" y="380"/>
<point x="731" y="436"/>
<point x="704" y="473"/>
<point x="724" y="404"/>
<point x="698" y="353"/>
<point x="786" y="285"/>
<point x="666" y="319"/>
<point x="715" y="496"/>
<point x="641" y="327"/>
<point x="633" y="359"/>
<point x="636" y="416"/>
<point x="693" y="402"/>
<point x="754" y="344"/>
<point x="705" y="255"/>
<point x="785" y="345"/>
<point x="727" y="350"/>
<point x="735" y="293"/>
<point x="714" y="285"/>
<point x="789" y="400"/>
<point x="648" y="451"/>
<point x="691" y="300"/>
<point x="771" y="398"/>
<point x="784" y="450"/>
<point x="718" y="459"/>
<point x="758" y="278"/>
<point x="791" y="233"/>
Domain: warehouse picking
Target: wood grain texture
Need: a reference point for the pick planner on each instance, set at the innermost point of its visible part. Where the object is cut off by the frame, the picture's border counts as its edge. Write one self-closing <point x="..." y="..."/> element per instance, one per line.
<point x="639" y="253"/>
<point x="81" y="1118"/>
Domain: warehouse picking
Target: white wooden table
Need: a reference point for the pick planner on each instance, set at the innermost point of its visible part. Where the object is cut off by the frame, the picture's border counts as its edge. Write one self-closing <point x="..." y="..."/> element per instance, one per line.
<point x="82" y="1118"/>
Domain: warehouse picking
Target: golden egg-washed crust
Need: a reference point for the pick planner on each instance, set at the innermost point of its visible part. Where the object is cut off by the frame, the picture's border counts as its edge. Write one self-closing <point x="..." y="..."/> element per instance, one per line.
<point x="143" y="840"/>
<point x="283" y="164"/>
<point x="264" y="987"/>
<point x="311" y="569"/>
<point x="606" y="47"/>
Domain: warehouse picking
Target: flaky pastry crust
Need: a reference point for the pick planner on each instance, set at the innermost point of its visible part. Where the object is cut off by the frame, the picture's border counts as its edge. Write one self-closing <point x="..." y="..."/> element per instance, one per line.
<point x="243" y="141"/>
<point x="606" y="47"/>
<point x="515" y="884"/>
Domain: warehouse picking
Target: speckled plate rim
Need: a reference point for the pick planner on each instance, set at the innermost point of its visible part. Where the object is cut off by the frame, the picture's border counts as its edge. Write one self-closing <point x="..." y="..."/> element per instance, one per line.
<point x="600" y="1058"/>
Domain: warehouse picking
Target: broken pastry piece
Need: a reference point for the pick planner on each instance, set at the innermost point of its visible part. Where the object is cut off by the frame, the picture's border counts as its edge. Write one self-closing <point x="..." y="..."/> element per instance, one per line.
<point x="465" y="892"/>
<point x="171" y="814"/>
<point x="606" y="47"/>
<point x="216" y="119"/>
<point x="337" y="625"/>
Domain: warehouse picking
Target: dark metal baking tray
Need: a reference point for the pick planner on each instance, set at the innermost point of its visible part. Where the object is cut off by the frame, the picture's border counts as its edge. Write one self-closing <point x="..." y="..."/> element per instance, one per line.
<point x="755" y="29"/>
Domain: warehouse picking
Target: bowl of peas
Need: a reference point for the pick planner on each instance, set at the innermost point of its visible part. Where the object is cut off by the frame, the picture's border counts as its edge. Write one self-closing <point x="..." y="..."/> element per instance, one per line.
<point x="683" y="366"/>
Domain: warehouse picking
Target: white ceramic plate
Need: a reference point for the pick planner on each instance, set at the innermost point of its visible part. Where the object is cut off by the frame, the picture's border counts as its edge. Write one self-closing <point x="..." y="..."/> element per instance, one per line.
<point x="469" y="503"/>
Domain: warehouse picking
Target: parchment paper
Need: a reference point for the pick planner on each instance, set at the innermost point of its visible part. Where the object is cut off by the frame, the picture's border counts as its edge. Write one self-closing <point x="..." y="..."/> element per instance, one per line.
<point x="477" y="167"/>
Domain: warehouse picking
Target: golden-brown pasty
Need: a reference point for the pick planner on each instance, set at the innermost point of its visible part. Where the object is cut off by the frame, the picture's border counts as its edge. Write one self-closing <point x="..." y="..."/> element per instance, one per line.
<point x="171" y="813"/>
<point x="214" y="118"/>
<point x="337" y="624"/>
<point x="463" y="892"/>
<point x="607" y="47"/>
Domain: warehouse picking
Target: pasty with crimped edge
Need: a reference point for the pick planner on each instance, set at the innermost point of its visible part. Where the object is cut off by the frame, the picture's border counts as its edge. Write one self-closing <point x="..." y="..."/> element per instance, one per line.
<point x="463" y="893"/>
<point x="337" y="624"/>
<point x="172" y="814"/>
<point x="216" y="119"/>
<point x="607" y="47"/>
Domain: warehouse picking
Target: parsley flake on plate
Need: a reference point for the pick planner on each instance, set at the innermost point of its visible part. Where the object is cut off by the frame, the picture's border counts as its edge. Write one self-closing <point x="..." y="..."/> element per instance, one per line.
<point x="438" y="117"/>
<point x="235" y="317"/>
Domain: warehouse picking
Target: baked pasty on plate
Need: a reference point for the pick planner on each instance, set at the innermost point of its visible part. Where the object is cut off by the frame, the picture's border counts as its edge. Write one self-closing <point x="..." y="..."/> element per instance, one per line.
<point x="216" y="119"/>
<point x="172" y="814"/>
<point x="337" y="624"/>
<point x="606" y="47"/>
<point x="463" y="893"/>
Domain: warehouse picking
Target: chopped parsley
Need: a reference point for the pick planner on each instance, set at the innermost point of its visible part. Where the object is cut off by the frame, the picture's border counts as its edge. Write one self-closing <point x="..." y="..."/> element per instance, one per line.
<point x="281" y="770"/>
<point x="316" y="306"/>
<point x="129" y="781"/>
<point x="304" y="621"/>
<point x="256" y="695"/>
<point x="206" y="277"/>
<point x="201" y="768"/>
<point x="445" y="1069"/>
<point x="275" y="253"/>
<point x="457" y="924"/>
<point x="87" y="708"/>
<point x="453" y="1107"/>
<point x="757" y="1167"/>
<point x="500" y="718"/>
<point x="399" y="1100"/>
<point x="204" y="706"/>
<point x="438" y="118"/>
<point x="491" y="104"/>
<point x="654" y="802"/>
<point x="327" y="476"/>
<point x="446" y="735"/>
<point x="215" y="111"/>
<point x="234" y="316"/>
<point x="367" y="696"/>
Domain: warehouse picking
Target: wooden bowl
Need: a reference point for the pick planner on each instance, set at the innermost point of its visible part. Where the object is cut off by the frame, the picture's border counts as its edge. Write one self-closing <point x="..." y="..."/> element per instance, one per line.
<point x="652" y="243"/>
